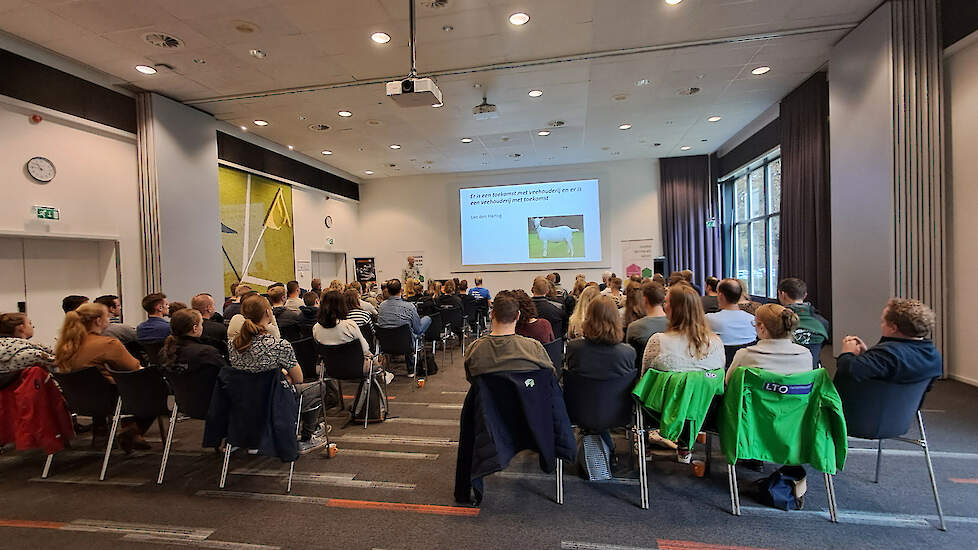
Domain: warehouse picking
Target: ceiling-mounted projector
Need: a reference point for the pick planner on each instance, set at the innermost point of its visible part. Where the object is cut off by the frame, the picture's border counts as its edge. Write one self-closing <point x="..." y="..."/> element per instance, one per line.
<point x="414" y="92"/>
<point x="484" y="110"/>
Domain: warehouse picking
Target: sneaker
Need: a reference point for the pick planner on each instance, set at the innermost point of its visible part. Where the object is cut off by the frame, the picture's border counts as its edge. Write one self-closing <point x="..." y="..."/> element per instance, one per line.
<point x="410" y="374"/>
<point x="314" y="443"/>
<point x="684" y="456"/>
<point x="250" y="451"/>
<point x="388" y="377"/>
<point x="657" y="439"/>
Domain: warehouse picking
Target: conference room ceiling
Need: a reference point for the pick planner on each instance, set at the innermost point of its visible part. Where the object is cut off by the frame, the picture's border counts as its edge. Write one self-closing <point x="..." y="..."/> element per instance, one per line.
<point x="310" y="43"/>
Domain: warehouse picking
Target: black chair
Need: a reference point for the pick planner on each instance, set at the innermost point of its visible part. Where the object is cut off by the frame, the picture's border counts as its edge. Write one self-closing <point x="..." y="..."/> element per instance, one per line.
<point x="305" y="354"/>
<point x="876" y="409"/>
<point x="136" y="350"/>
<point x="345" y="362"/>
<point x="730" y="351"/>
<point x="368" y="334"/>
<point x="398" y="341"/>
<point x="291" y="332"/>
<point x="192" y="396"/>
<point x="152" y="350"/>
<point x="469" y="311"/>
<point x="143" y="394"/>
<point x="555" y="350"/>
<point x="87" y="393"/>
<point x="599" y="405"/>
<point x="435" y="332"/>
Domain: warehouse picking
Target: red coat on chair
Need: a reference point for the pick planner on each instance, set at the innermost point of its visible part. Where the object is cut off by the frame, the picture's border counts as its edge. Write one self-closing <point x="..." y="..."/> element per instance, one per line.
<point x="33" y="413"/>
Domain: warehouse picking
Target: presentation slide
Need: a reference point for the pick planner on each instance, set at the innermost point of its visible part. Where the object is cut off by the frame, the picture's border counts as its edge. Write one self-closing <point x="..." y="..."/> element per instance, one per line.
<point x="531" y="223"/>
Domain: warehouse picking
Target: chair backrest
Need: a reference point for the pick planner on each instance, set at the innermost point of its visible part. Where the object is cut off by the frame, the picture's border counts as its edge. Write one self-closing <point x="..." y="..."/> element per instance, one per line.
<point x="452" y="316"/>
<point x="152" y="350"/>
<point x="598" y="405"/>
<point x="143" y="392"/>
<point x="730" y="351"/>
<point x="435" y="329"/>
<point x="342" y="361"/>
<point x="396" y="341"/>
<point x="305" y="354"/>
<point x="193" y="390"/>
<point x="877" y="409"/>
<point x="136" y="350"/>
<point x="368" y="334"/>
<point x="292" y="332"/>
<point x="468" y="306"/>
<point x="87" y="392"/>
<point x="555" y="350"/>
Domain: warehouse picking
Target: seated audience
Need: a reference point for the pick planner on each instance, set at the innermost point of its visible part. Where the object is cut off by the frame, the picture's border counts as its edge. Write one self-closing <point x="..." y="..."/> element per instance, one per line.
<point x="745" y="303"/>
<point x="17" y="352"/>
<point x="639" y="331"/>
<point x="238" y="321"/>
<point x="364" y="304"/>
<point x="285" y="317"/>
<point x="395" y="312"/>
<point x="336" y="325"/>
<point x="183" y="351"/>
<point x="255" y="349"/>
<point x="547" y="309"/>
<point x="123" y="333"/>
<point x="774" y="350"/>
<point x="449" y="298"/>
<point x="238" y="292"/>
<point x="734" y="326"/>
<point x="174" y="307"/>
<point x="575" y="324"/>
<point x="317" y="286"/>
<point x="813" y="329"/>
<point x="604" y="280"/>
<point x="659" y="278"/>
<point x="428" y="302"/>
<point x="155" y="328"/>
<point x="293" y="301"/>
<point x="463" y="288"/>
<point x="214" y="329"/>
<point x="688" y="344"/>
<point x="710" y="303"/>
<point x="675" y="278"/>
<point x="503" y="350"/>
<point x="688" y="277"/>
<point x="904" y="355"/>
<point x="634" y="307"/>
<point x="478" y="292"/>
<point x="600" y="354"/>
<point x="309" y="310"/>
<point x="336" y="285"/>
<point x="529" y="325"/>
<point x="71" y="302"/>
<point x="613" y="290"/>
<point x="412" y="290"/>
<point x="579" y="285"/>
<point x="354" y="312"/>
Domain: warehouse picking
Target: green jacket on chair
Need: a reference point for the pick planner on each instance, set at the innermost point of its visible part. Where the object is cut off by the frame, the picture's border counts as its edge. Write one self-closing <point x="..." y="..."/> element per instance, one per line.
<point x="679" y="397"/>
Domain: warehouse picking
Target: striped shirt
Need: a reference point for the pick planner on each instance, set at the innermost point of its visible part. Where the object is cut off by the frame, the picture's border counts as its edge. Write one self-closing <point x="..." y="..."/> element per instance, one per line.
<point x="360" y="317"/>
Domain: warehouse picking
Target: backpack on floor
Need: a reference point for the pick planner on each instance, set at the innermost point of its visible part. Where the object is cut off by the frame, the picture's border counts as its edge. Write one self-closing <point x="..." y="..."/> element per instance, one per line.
<point x="784" y="489"/>
<point x="376" y="410"/>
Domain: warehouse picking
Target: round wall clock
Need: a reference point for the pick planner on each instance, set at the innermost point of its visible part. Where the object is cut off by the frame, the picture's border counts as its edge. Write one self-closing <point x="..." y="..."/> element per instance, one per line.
<point x="328" y="221"/>
<point x="41" y="169"/>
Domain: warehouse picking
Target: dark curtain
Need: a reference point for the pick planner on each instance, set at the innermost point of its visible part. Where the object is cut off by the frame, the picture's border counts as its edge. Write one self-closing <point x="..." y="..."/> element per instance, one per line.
<point x="805" y="245"/>
<point x="688" y="200"/>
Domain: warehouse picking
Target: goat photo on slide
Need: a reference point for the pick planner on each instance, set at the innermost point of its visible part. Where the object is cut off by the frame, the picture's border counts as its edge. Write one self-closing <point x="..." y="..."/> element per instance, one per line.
<point x="556" y="236"/>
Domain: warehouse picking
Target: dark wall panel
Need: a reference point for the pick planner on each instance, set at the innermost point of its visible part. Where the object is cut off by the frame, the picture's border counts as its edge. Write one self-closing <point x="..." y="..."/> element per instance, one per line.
<point x="764" y="140"/>
<point x="36" y="83"/>
<point x="238" y="151"/>
<point x="959" y="18"/>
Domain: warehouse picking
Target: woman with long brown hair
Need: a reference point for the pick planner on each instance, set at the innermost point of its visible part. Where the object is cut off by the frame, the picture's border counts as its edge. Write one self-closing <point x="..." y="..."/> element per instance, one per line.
<point x="529" y="324"/>
<point x="600" y="354"/>
<point x="688" y="344"/>
<point x="183" y="350"/>
<point x="634" y="303"/>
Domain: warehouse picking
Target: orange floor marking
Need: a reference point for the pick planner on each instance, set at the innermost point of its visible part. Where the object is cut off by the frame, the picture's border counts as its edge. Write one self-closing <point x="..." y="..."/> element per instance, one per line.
<point x="31" y="524"/>
<point x="972" y="481"/>
<point x="692" y="545"/>
<point x="403" y="507"/>
<point x="389" y="397"/>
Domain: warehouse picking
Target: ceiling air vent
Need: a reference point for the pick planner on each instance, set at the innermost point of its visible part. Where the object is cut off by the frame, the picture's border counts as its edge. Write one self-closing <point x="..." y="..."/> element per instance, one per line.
<point x="318" y="127"/>
<point x="689" y="91"/>
<point x="163" y="40"/>
<point x="556" y="123"/>
<point x="435" y="4"/>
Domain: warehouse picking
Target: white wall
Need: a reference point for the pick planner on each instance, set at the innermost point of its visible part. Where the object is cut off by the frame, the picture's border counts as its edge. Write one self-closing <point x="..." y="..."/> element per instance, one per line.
<point x="861" y="128"/>
<point x="420" y="213"/>
<point x="95" y="187"/>
<point x="961" y="70"/>
<point x="185" y="140"/>
<point x="310" y="208"/>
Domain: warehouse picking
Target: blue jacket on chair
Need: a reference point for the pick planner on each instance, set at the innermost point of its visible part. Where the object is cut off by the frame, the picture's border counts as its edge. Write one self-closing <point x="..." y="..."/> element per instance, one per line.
<point x="254" y="411"/>
<point x="503" y="414"/>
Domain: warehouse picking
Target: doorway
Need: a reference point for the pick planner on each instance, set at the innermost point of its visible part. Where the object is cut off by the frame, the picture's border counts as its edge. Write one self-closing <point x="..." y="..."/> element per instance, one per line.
<point x="328" y="266"/>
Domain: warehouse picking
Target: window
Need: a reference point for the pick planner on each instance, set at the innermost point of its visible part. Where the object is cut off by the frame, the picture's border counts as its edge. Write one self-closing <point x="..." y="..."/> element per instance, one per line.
<point x="753" y="223"/>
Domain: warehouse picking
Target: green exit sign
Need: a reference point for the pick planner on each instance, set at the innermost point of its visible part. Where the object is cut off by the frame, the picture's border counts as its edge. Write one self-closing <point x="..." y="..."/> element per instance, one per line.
<point x="47" y="213"/>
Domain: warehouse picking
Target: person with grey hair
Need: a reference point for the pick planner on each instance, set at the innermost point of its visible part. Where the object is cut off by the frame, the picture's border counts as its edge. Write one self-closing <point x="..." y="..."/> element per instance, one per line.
<point x="604" y="280"/>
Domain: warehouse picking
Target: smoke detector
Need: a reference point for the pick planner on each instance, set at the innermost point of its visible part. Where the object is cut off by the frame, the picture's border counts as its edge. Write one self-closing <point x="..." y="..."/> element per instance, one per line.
<point x="318" y="127"/>
<point x="484" y="110"/>
<point x="435" y="4"/>
<point x="163" y="40"/>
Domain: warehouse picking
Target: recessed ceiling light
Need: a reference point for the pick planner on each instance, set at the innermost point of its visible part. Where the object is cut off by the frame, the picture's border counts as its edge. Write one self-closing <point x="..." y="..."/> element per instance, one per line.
<point x="714" y="118"/>
<point x="327" y="152"/>
<point x="344" y="113"/>
<point x="535" y="93"/>
<point x="519" y="18"/>
<point x="368" y="172"/>
<point x="258" y="54"/>
<point x="380" y="37"/>
<point x="761" y="70"/>
<point x="685" y="148"/>
<point x="260" y="122"/>
<point x="394" y="146"/>
<point x="466" y="140"/>
<point x="625" y="127"/>
<point x="543" y="133"/>
<point x="436" y="105"/>
<point x="673" y="2"/>
<point x="643" y="82"/>
<point x="145" y="69"/>
<point x="291" y="148"/>
<point x="245" y="128"/>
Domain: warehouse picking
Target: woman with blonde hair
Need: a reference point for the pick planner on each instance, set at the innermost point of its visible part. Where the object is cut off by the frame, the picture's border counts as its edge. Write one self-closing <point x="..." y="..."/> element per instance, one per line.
<point x="775" y="350"/>
<point x="579" y="285"/>
<point x="254" y="350"/>
<point x="576" y="322"/>
<point x="412" y="290"/>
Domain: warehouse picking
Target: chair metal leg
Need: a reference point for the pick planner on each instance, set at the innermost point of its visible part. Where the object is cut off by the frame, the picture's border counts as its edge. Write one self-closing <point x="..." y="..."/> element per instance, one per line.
<point x="734" y="490"/>
<point x="930" y="471"/>
<point x="166" y="446"/>
<point x="830" y="491"/>
<point x="298" y="419"/>
<point x="879" y="460"/>
<point x="366" y="402"/>
<point x="47" y="466"/>
<point x="227" y="458"/>
<point x="108" y="445"/>
<point x="560" y="481"/>
<point x="643" y="479"/>
<point x="708" y="463"/>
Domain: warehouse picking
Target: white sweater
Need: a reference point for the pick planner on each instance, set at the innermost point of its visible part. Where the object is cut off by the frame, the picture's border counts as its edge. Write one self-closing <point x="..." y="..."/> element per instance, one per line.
<point x="344" y="331"/>
<point x="778" y="355"/>
<point x="669" y="351"/>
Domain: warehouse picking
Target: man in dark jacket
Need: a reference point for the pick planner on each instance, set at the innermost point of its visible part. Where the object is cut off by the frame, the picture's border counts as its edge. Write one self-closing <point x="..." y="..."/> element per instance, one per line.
<point x="286" y="319"/>
<point x="309" y="311"/>
<point x="546" y="309"/>
<point x="904" y="354"/>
